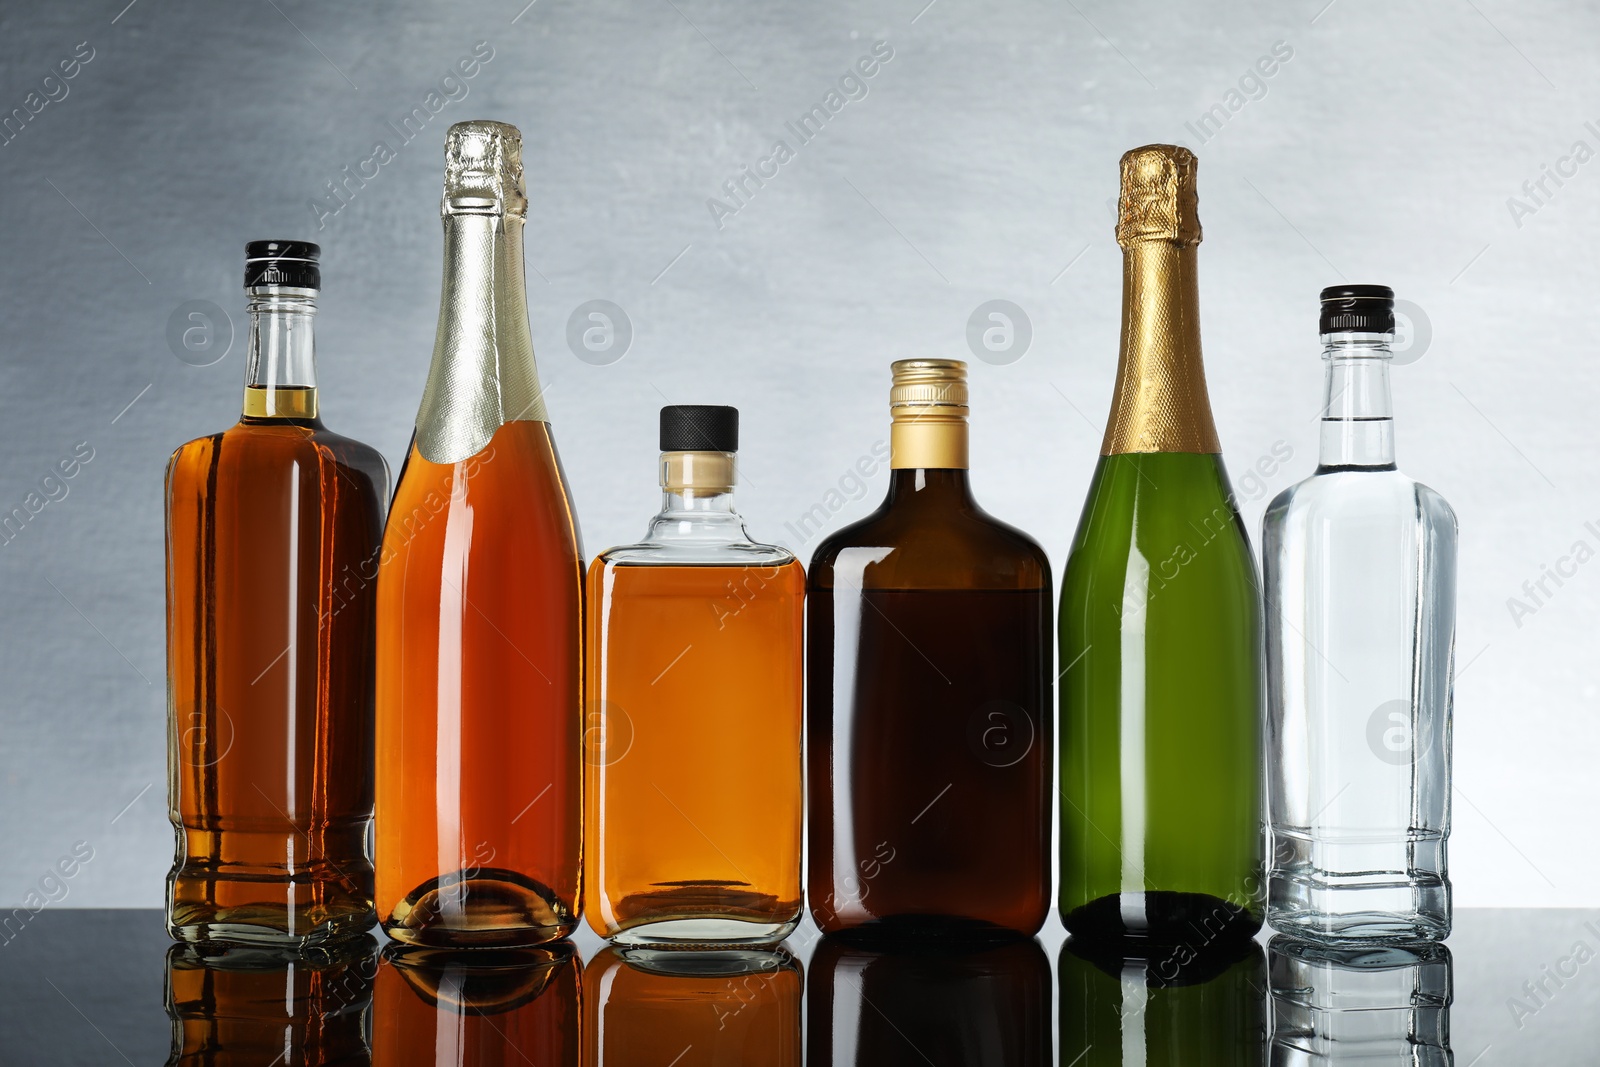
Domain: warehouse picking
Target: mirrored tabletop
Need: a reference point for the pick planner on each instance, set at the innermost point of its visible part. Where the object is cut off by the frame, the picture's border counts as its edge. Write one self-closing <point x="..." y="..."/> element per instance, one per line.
<point x="107" y="987"/>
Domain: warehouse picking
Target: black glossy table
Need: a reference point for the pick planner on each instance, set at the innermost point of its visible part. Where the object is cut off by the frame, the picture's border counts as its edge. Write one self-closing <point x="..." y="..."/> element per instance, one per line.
<point x="94" y="986"/>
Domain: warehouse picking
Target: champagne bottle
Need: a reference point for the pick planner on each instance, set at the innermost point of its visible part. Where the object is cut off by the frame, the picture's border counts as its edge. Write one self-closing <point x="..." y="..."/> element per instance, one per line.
<point x="1173" y="1005"/>
<point x="1161" y="824"/>
<point x="480" y="607"/>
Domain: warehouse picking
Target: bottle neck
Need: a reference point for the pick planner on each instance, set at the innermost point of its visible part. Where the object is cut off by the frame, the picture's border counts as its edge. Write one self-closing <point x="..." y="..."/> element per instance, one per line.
<point x="697" y="500"/>
<point x="1357" y="413"/>
<point x="928" y="438"/>
<point x="940" y="487"/>
<point x="483" y="374"/>
<point x="281" y="370"/>
<point x="1160" y="403"/>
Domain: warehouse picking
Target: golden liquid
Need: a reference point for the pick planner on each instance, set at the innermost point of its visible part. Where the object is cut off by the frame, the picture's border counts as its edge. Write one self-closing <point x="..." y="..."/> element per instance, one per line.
<point x="479" y="697"/>
<point x="724" y="1008"/>
<point x="272" y="537"/>
<point x="693" y="801"/>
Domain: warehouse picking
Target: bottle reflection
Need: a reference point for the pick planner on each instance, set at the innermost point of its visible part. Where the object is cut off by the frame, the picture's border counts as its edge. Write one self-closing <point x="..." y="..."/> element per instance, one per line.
<point x="1128" y="1004"/>
<point x="485" y="1007"/>
<point x="238" y="1006"/>
<point x="732" y="1008"/>
<point x="929" y="1003"/>
<point x="1373" y="1004"/>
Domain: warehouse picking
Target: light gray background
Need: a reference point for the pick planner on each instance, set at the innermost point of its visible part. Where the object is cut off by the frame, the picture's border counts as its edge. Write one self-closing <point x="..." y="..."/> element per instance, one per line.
<point x="979" y="166"/>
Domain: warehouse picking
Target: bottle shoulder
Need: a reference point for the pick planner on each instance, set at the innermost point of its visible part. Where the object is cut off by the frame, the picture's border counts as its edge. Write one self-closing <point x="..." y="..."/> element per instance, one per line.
<point x="252" y="448"/>
<point x="696" y="553"/>
<point x="1360" y="496"/>
<point x="911" y="548"/>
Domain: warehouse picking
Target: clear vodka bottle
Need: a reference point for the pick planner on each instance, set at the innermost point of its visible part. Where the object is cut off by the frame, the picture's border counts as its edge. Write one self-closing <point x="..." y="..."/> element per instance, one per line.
<point x="1359" y="571"/>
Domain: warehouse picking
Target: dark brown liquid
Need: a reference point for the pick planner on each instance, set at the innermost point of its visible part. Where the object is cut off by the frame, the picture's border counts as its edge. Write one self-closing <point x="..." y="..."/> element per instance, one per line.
<point x="273" y="530"/>
<point x="928" y="1003"/>
<point x="928" y="722"/>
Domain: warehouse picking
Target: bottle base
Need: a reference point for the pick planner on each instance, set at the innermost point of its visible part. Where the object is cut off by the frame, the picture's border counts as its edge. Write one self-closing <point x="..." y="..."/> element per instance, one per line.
<point x="909" y="929"/>
<point x="491" y="908"/>
<point x="1163" y="917"/>
<point x="710" y="932"/>
<point x="235" y="904"/>
<point x="1392" y="909"/>
<point x="265" y="925"/>
<point x="1359" y="928"/>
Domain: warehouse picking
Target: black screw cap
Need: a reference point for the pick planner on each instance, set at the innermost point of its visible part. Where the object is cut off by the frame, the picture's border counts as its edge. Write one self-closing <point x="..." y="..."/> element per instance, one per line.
<point x="699" y="428"/>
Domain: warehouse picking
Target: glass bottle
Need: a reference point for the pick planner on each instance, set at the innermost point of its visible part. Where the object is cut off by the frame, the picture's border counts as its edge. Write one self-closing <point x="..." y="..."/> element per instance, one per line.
<point x="1132" y="1001"/>
<point x="1161" y="820"/>
<point x="1342" y="1004"/>
<point x="938" y="1002"/>
<point x="692" y="827"/>
<point x="652" y="1007"/>
<point x="272" y="540"/>
<point x="1360" y="570"/>
<point x="480" y="594"/>
<point x="247" y="1005"/>
<point x="929" y="726"/>
<point x="505" y="1007"/>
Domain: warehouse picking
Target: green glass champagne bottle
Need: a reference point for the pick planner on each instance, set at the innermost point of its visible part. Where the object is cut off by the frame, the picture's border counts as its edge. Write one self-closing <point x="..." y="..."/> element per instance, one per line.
<point x="1161" y="820"/>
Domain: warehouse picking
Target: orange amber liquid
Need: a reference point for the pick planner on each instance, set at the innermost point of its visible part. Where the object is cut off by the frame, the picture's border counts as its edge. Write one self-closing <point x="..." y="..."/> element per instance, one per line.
<point x="707" y="1009"/>
<point x="506" y="1008"/>
<point x="479" y="699"/>
<point x="272" y="539"/>
<point x="693" y="804"/>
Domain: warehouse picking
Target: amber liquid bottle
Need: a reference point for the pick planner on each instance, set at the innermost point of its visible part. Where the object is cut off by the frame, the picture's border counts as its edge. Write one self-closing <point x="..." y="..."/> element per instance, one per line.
<point x="652" y="1007"/>
<point x="248" y="1005"/>
<point x="480" y="607"/>
<point x="693" y="797"/>
<point x="929" y="677"/>
<point x="486" y="1008"/>
<point x="272" y="541"/>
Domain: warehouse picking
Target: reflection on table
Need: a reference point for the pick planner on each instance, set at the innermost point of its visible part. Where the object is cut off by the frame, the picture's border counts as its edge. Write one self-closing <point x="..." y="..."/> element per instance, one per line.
<point x="1124" y="1004"/>
<point x="937" y="1003"/>
<point x="726" y="1008"/>
<point x="233" y="1007"/>
<point x="488" y="1007"/>
<point x="1361" y="1005"/>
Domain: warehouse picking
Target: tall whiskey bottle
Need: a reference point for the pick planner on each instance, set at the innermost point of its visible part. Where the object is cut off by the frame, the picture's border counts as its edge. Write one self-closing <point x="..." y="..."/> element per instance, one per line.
<point x="273" y="529"/>
<point x="480" y="607"/>
<point x="1161" y="822"/>
<point x="928" y="671"/>
<point x="694" y="656"/>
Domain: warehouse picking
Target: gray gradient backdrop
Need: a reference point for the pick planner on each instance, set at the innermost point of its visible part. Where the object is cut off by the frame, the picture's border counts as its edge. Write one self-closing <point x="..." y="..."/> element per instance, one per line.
<point x="979" y="165"/>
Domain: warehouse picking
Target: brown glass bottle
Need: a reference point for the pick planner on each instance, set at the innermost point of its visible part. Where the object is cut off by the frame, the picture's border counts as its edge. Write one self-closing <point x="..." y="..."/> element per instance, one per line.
<point x="272" y="538"/>
<point x="486" y="1007"/>
<point x="928" y="680"/>
<point x="243" y="1006"/>
<point x="480" y="601"/>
